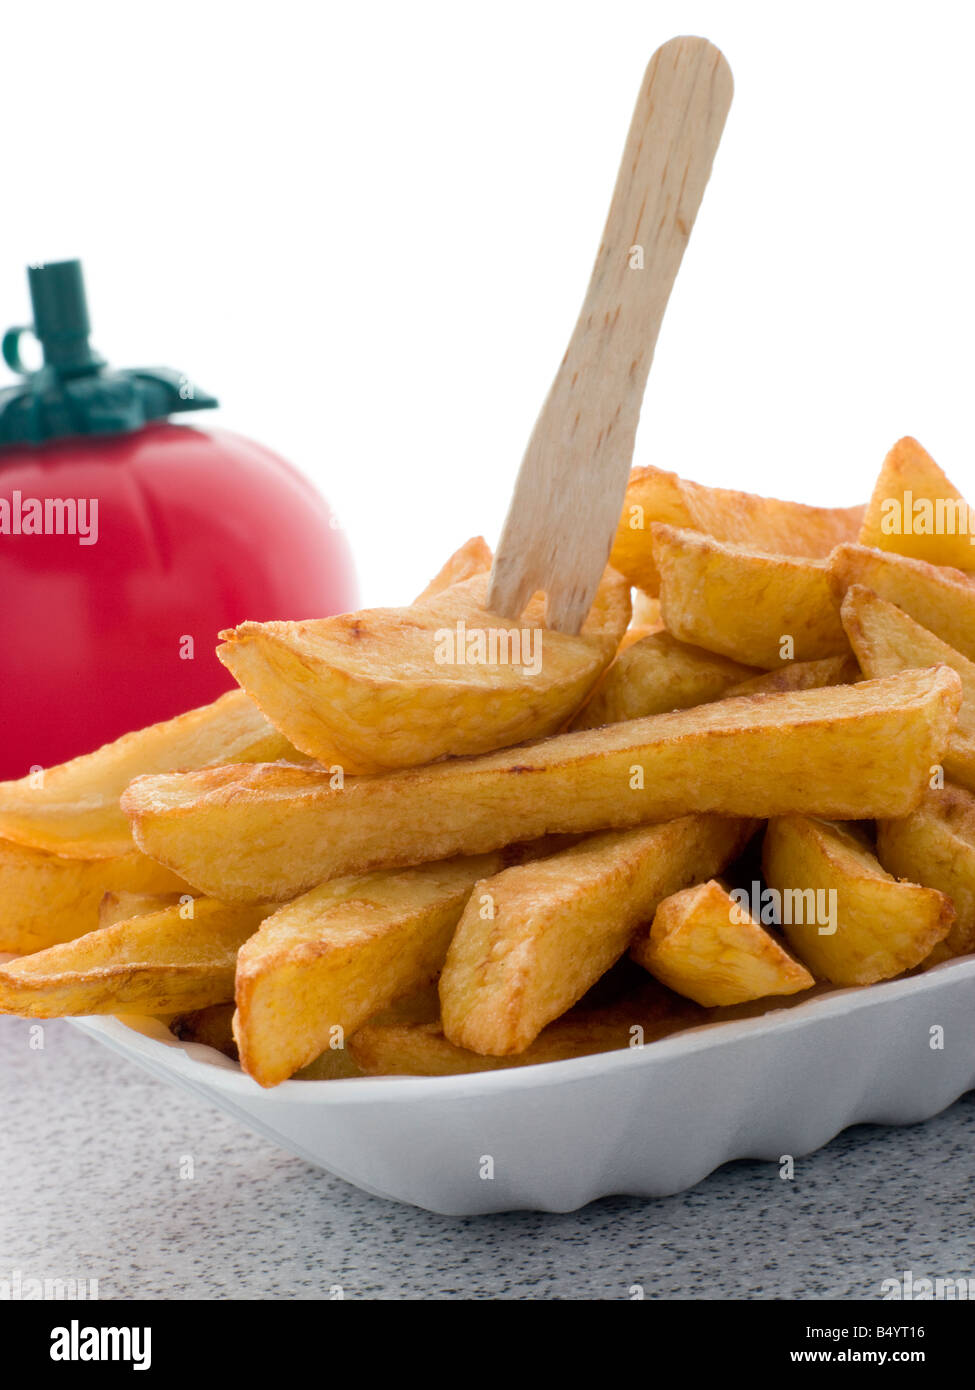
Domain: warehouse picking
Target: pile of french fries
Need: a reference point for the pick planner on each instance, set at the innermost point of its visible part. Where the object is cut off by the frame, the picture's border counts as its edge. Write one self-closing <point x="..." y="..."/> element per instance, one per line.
<point x="398" y="848"/>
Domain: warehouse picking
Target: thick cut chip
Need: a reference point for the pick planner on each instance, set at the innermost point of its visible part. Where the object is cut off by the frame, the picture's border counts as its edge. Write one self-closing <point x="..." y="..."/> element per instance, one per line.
<point x="334" y="1064"/>
<point x="800" y="675"/>
<point x="212" y="1026"/>
<point x="271" y="832"/>
<point x="323" y="965"/>
<point x="74" y="808"/>
<point x="636" y="633"/>
<point x="473" y="557"/>
<point x="646" y="610"/>
<point x="119" y="907"/>
<point x="942" y="600"/>
<point x="759" y="609"/>
<point x="387" y="688"/>
<point x="935" y="845"/>
<point x="704" y="944"/>
<point x="656" y="674"/>
<point x="886" y="640"/>
<point x="916" y="511"/>
<point x="645" y="620"/>
<point x="178" y="958"/>
<point x="787" y="528"/>
<point x="45" y="898"/>
<point x="419" y="1048"/>
<point x="642" y="1014"/>
<point x="845" y="917"/>
<point x="338" y="1063"/>
<point x="535" y="938"/>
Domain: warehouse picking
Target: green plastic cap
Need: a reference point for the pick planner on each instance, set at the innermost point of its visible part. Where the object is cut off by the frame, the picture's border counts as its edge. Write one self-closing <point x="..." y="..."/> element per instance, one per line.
<point x="75" y="392"/>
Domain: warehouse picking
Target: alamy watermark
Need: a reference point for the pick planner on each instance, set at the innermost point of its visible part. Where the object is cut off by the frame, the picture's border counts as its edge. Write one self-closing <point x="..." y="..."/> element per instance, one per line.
<point x="908" y="515"/>
<point x="773" y="907"/>
<point x="77" y="1343"/>
<point x="910" y="1288"/>
<point x="50" y="516"/>
<point x="20" y="1287"/>
<point x="461" y="645"/>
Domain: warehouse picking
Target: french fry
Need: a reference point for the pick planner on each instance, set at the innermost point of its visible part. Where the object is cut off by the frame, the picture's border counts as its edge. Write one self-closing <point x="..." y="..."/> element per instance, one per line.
<point x="656" y="674"/>
<point x="273" y="831"/>
<point x="212" y="1026"/>
<point x="646" y="610"/>
<point x="164" y="962"/>
<point x="800" y="675"/>
<point x="421" y="1049"/>
<point x="935" y="845"/>
<point x="119" y="907"/>
<point x="942" y="600"/>
<point x="422" y="1006"/>
<point x="916" y="511"/>
<point x="636" y="634"/>
<point x="73" y="809"/>
<point x="763" y="523"/>
<point x="334" y="1064"/>
<point x="392" y="1047"/>
<point x="532" y="940"/>
<point x="876" y="927"/>
<point x="388" y="688"/>
<point x="756" y="608"/>
<point x="338" y="1063"/>
<point x="704" y="945"/>
<point x="45" y="899"/>
<point x="324" y="964"/>
<point x="644" y="621"/>
<point x="474" y="557"/>
<point x="644" y="1015"/>
<point x="886" y="640"/>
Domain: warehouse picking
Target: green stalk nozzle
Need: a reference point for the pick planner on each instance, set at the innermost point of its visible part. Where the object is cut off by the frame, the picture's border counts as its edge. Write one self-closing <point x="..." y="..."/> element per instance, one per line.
<point x="74" y="392"/>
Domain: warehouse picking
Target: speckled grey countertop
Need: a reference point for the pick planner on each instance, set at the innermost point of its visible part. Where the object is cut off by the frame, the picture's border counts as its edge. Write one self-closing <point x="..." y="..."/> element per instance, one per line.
<point x="90" y="1153"/>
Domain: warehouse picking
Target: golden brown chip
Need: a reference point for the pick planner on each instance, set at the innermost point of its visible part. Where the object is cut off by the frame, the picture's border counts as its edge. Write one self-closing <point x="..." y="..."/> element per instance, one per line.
<point x="942" y="600"/>
<point x="642" y="1015"/>
<point x="844" y="916"/>
<point x="211" y="1026"/>
<point x="272" y="832"/>
<point x="705" y="945"/>
<point x="655" y="674"/>
<point x="935" y="845"/>
<point x="916" y="511"/>
<point x="754" y="607"/>
<point x="46" y="898"/>
<point x="388" y="688"/>
<point x="763" y="523"/>
<point x="172" y="961"/>
<point x="532" y="940"/>
<point x="119" y="907"/>
<point x="886" y="641"/>
<point x="473" y="557"/>
<point x="800" y="675"/>
<point x="74" y="808"/>
<point x="324" y="964"/>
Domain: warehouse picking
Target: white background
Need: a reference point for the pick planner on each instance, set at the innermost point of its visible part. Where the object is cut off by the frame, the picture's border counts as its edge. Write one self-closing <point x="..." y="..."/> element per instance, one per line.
<point x="368" y="229"/>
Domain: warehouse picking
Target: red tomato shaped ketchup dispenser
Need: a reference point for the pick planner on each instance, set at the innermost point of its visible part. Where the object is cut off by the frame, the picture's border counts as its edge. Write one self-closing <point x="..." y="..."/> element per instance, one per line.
<point x="127" y="542"/>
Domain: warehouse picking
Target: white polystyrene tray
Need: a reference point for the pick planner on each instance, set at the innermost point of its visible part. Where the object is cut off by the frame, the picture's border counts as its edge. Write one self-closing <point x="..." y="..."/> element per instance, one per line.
<point x="645" y="1121"/>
